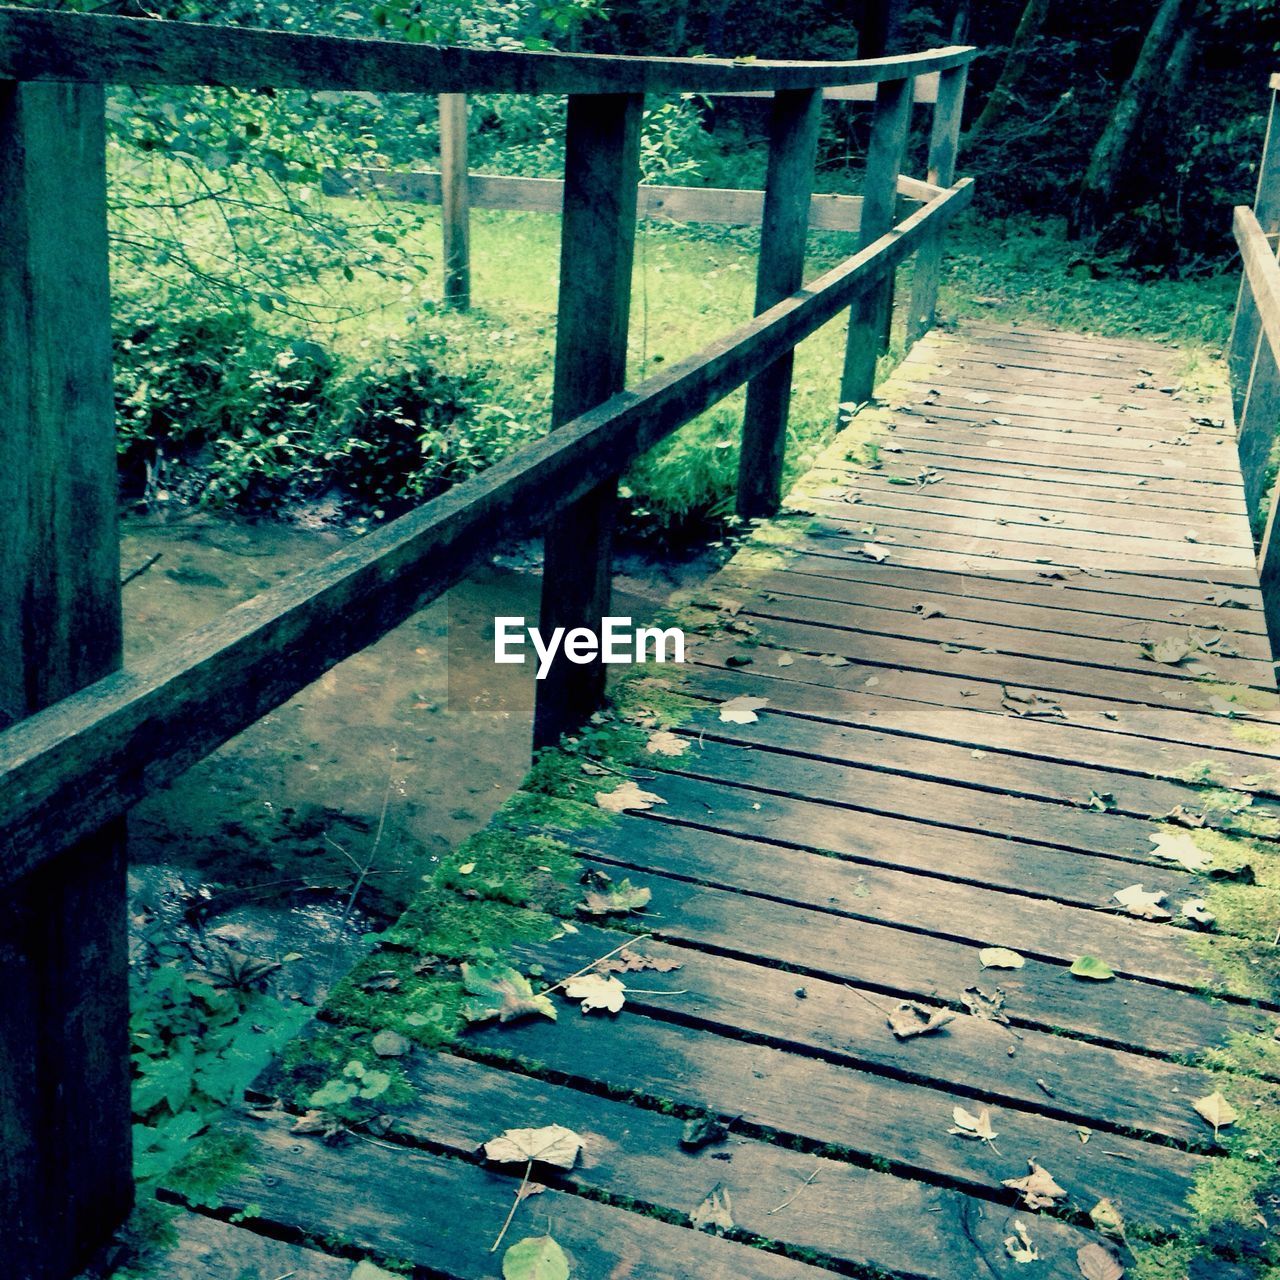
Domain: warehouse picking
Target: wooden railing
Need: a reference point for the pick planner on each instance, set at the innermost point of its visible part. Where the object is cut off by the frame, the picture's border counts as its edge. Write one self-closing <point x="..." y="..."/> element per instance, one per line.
<point x="1253" y="359"/>
<point x="90" y="738"/>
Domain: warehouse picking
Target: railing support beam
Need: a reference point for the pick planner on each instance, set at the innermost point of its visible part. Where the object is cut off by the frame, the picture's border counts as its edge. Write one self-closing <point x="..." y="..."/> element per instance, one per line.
<point x="597" y="245"/>
<point x="1243" y="346"/>
<point x="793" y="146"/>
<point x="65" y="1121"/>
<point x="868" y="315"/>
<point x="455" y="201"/>
<point x="944" y="143"/>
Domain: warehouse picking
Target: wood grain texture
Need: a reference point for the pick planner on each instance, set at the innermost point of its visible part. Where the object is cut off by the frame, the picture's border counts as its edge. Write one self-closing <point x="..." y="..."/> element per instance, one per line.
<point x="72" y="47"/>
<point x="64" y="1080"/>
<point x="455" y="201"/>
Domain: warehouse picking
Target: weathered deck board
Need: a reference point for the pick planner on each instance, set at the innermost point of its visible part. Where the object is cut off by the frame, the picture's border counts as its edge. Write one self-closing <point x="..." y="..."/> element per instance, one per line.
<point x="881" y="822"/>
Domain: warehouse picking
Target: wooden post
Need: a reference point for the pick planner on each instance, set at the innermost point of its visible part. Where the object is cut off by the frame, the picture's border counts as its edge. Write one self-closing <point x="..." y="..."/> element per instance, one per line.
<point x="1242" y="348"/>
<point x="944" y="142"/>
<point x="1269" y="572"/>
<point x="1258" y="416"/>
<point x="455" y="201"/>
<point x="879" y="200"/>
<point x="65" y="1119"/>
<point x="793" y="145"/>
<point x="597" y="244"/>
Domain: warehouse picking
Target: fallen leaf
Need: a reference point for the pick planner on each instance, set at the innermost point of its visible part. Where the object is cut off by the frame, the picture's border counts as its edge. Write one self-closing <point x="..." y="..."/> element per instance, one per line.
<point x="910" y="1019"/>
<point x="976" y="397"/>
<point x="1092" y="967"/>
<point x="1146" y="906"/>
<point x="742" y="710"/>
<point x="1170" y="652"/>
<point x="1102" y="801"/>
<point x="1018" y="1246"/>
<point x="1097" y="1263"/>
<point x="786" y="659"/>
<point x="873" y="551"/>
<point x="1181" y="816"/>
<point x="535" y="1258"/>
<point x="1216" y="1110"/>
<point x="552" y="1144"/>
<point x="1195" y="911"/>
<point x="466" y="869"/>
<point x="324" y="1123"/>
<point x="1000" y="958"/>
<point x="1038" y="1189"/>
<point x="930" y="611"/>
<point x="390" y="1044"/>
<point x="716" y="1211"/>
<point x="615" y="899"/>
<point x="981" y="1005"/>
<point x="833" y="660"/>
<point x="967" y="1125"/>
<point x="1176" y="846"/>
<point x="596" y="992"/>
<point x="1107" y="1218"/>
<point x="666" y="743"/>
<point x="1026" y="702"/>
<point x="499" y="991"/>
<point x="627" y="796"/>
<point x="629" y="961"/>
<point x="702" y="1131"/>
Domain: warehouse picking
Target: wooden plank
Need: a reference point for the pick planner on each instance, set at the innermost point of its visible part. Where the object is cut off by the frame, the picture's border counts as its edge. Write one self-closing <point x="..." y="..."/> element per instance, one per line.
<point x="1091" y="1084"/>
<point x="1194" y="579"/>
<point x="704" y="862"/>
<point x="143" y="727"/>
<point x="978" y="729"/>
<point x="208" y="1249"/>
<point x="844" y="784"/>
<point x="597" y="249"/>
<point x="455" y="201"/>
<point x="1078" y="594"/>
<point x="724" y="205"/>
<point x="888" y="651"/>
<point x="441" y="1214"/>
<point x="873" y="493"/>
<point x="85" y="48"/>
<point x="65" y="1161"/>
<point x="873" y="1116"/>
<point x="793" y="143"/>
<point x="857" y="1215"/>
<point x="868" y="314"/>
<point x="1126" y="548"/>
<point x="1184" y="720"/>
<point x="1257" y="432"/>
<point x="944" y="142"/>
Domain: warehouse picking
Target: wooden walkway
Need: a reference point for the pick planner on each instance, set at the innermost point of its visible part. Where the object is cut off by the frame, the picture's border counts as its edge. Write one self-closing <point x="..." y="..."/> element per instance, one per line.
<point x="969" y="742"/>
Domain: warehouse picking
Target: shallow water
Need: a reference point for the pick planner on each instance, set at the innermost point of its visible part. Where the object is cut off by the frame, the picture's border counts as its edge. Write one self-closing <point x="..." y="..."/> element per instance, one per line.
<point x="264" y="840"/>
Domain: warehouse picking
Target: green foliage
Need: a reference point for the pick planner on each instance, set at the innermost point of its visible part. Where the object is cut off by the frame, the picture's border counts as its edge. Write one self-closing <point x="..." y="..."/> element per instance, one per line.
<point x="195" y="1049"/>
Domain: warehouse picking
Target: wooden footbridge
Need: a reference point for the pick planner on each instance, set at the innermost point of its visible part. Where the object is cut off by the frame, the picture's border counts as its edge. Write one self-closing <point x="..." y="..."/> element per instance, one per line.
<point x="926" y="994"/>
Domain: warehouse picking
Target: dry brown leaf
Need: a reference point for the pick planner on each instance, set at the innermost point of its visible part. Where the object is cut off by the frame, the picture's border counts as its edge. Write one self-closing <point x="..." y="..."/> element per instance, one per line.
<point x="742" y="710"/>
<point x="1018" y="1246"/>
<point x="552" y="1144"/>
<point x="666" y="743"/>
<point x="1098" y="1263"/>
<point x="627" y="796"/>
<point x="1000" y="958"/>
<point x="910" y="1019"/>
<point x="1179" y="847"/>
<point x="629" y="961"/>
<point x="1038" y="1189"/>
<point x="967" y="1125"/>
<point x="1215" y="1110"/>
<point x="716" y="1211"/>
<point x="596" y="992"/>
<point x="1137" y="901"/>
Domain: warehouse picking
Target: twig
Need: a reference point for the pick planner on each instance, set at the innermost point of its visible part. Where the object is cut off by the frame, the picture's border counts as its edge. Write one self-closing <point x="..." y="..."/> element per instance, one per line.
<point x="640" y="991"/>
<point x="630" y="942"/>
<point x="515" y="1204"/>
<point x="863" y="996"/>
<point x="137" y="573"/>
<point x="790" y="1200"/>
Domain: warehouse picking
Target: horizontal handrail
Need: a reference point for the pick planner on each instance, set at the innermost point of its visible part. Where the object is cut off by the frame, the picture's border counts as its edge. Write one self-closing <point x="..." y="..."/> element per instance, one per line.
<point x="1262" y="271"/>
<point x="103" y="49"/>
<point x="86" y="759"/>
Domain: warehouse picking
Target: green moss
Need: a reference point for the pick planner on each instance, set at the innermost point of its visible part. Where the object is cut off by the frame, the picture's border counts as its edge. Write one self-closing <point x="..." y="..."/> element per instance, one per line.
<point x="219" y="1159"/>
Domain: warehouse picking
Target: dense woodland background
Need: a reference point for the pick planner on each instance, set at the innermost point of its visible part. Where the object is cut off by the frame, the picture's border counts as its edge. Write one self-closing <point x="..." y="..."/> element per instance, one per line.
<point x="1109" y="143"/>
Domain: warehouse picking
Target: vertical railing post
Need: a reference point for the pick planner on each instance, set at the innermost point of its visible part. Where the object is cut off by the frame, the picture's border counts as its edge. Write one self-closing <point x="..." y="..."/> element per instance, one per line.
<point x="597" y="245"/>
<point x="455" y="200"/>
<point x="793" y="146"/>
<point x="1258" y="418"/>
<point x="1242" y="350"/>
<point x="944" y="142"/>
<point x="879" y="201"/>
<point x="65" y="1120"/>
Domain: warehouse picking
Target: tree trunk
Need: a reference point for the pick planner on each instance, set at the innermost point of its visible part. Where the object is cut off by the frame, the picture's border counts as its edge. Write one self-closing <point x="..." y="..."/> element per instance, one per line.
<point x="1093" y="204"/>
<point x="1015" y="65"/>
<point x="878" y="34"/>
